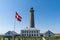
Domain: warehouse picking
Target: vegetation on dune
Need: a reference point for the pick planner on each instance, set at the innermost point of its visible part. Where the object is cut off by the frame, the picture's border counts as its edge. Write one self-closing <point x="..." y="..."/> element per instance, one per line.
<point x="1" y="38"/>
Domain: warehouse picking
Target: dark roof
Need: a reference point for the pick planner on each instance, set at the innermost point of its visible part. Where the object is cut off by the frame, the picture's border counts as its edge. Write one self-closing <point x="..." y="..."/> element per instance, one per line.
<point x="11" y="32"/>
<point x="49" y="31"/>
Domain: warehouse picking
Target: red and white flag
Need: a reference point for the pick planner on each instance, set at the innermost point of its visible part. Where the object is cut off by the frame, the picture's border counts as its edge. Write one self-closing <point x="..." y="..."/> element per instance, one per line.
<point x="18" y="17"/>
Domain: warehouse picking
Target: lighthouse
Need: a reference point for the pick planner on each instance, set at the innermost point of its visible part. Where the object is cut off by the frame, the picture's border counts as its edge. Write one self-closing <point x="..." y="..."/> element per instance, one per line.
<point x="31" y="31"/>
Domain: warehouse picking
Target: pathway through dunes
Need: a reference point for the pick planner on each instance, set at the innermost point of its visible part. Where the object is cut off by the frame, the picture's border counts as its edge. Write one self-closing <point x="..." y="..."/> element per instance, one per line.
<point x="43" y="38"/>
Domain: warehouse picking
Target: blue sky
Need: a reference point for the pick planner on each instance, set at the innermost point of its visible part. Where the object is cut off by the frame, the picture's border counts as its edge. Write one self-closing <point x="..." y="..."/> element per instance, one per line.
<point x="47" y="15"/>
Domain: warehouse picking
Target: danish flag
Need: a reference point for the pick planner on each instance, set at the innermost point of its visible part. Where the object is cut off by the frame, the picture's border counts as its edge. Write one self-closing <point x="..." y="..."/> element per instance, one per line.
<point x="18" y="17"/>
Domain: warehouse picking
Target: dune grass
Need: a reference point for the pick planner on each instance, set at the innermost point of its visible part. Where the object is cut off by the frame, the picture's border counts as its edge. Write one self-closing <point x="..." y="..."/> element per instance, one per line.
<point x="1" y="38"/>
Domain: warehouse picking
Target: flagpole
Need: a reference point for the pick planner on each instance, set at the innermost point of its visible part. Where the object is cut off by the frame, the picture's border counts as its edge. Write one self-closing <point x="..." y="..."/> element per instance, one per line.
<point x="14" y="29"/>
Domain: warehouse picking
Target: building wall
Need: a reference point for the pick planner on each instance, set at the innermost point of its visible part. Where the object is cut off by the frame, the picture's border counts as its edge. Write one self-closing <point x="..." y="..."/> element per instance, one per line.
<point x="30" y="33"/>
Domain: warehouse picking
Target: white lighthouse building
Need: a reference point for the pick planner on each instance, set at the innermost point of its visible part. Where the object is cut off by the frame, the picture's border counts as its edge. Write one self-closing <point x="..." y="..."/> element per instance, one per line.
<point x="30" y="32"/>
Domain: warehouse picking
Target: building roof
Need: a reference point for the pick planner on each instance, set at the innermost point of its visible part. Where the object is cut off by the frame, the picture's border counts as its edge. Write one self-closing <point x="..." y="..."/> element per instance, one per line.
<point x="49" y="32"/>
<point x="10" y="33"/>
<point x="13" y="32"/>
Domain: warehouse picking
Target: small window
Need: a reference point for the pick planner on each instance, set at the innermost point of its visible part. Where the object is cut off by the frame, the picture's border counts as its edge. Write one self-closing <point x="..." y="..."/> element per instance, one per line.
<point x="22" y="31"/>
<point x="32" y="31"/>
<point x="49" y="35"/>
<point x="27" y="31"/>
<point x="37" y="31"/>
<point x="49" y="32"/>
<point x="37" y="34"/>
<point x="30" y="35"/>
<point x="22" y="34"/>
<point x="25" y="34"/>
<point x="34" y="34"/>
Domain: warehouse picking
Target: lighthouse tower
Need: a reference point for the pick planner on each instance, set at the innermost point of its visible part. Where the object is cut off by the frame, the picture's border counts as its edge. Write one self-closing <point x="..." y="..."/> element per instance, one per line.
<point x="32" y="25"/>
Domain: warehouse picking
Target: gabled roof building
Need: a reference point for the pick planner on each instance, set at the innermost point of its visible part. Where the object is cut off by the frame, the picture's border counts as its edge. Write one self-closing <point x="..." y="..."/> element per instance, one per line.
<point x="49" y="34"/>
